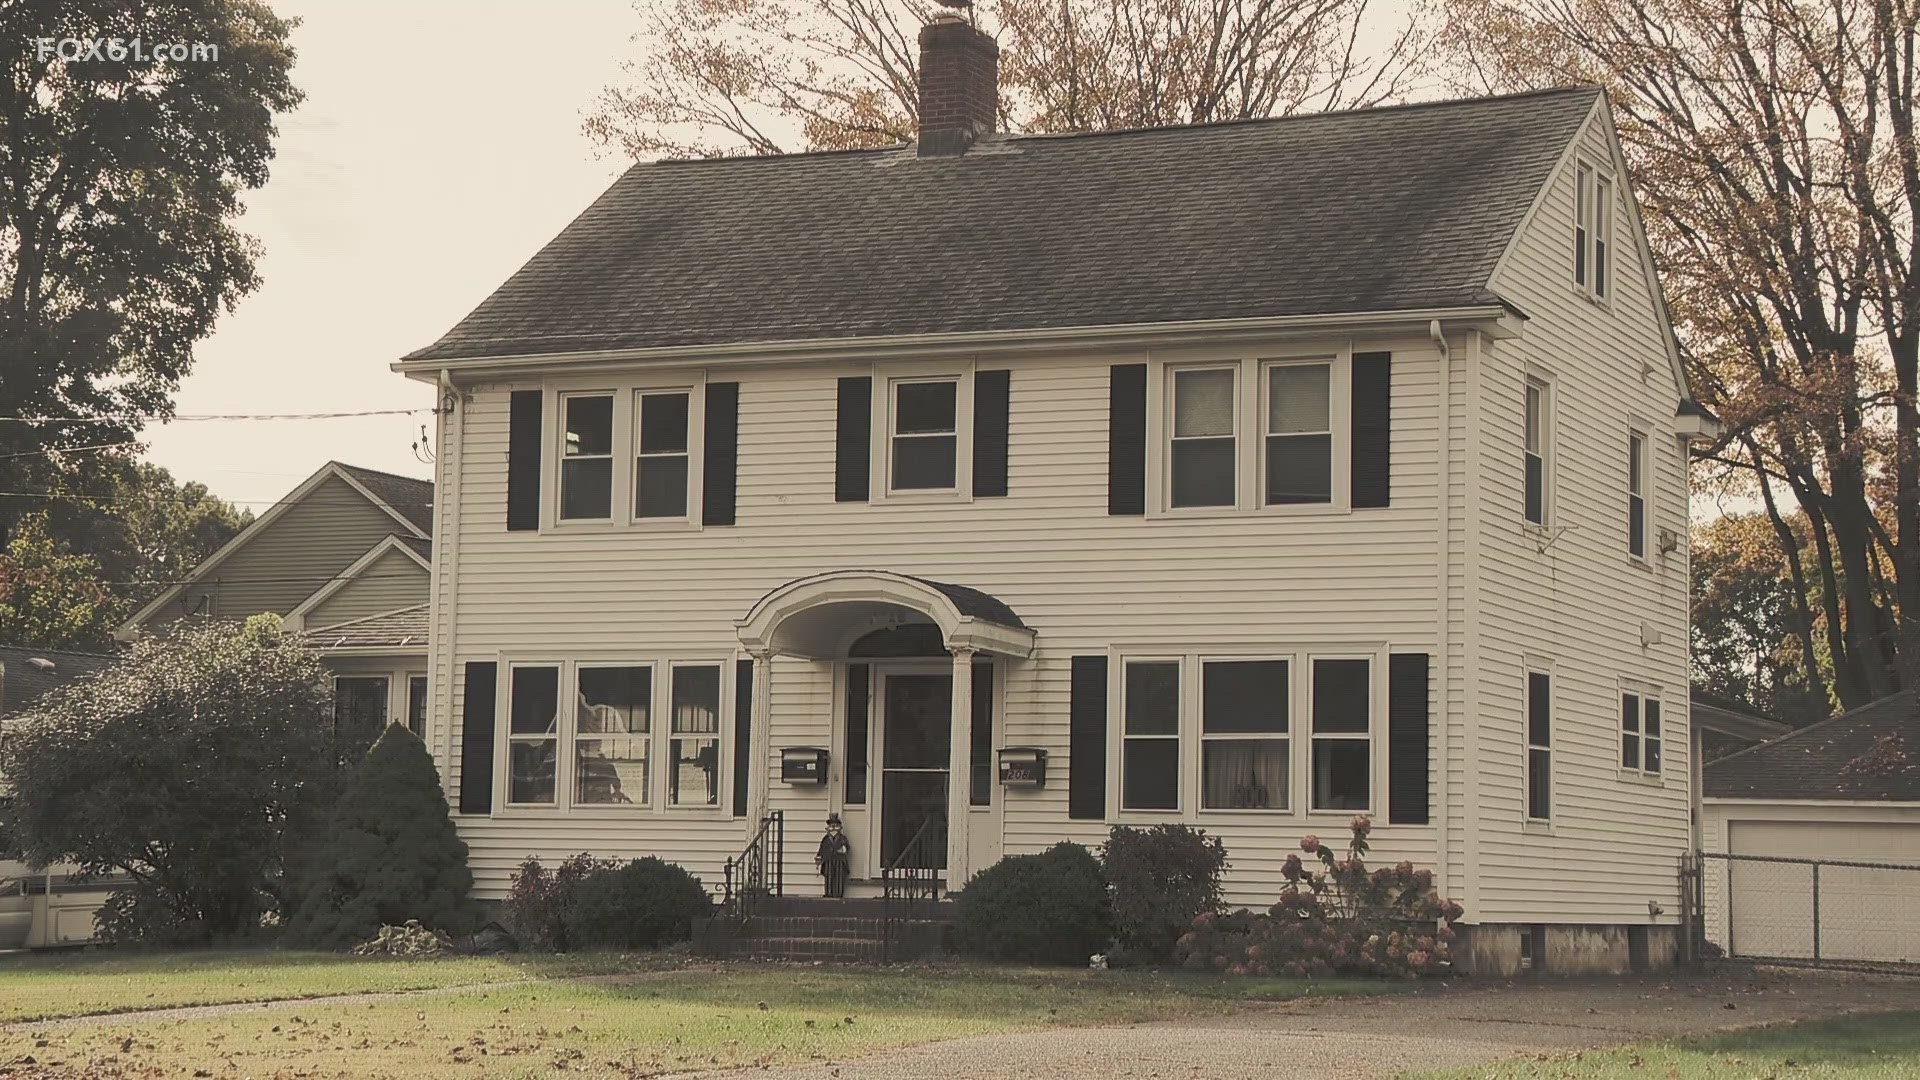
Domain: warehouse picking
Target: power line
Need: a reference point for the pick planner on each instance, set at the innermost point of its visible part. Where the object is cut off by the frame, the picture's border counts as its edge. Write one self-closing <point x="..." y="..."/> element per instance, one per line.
<point x="200" y="417"/>
<point x="69" y="449"/>
<point x="109" y="500"/>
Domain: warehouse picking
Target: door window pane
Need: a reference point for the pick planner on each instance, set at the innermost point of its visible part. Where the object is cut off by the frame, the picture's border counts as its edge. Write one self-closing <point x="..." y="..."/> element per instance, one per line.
<point x="613" y="722"/>
<point x="694" y="777"/>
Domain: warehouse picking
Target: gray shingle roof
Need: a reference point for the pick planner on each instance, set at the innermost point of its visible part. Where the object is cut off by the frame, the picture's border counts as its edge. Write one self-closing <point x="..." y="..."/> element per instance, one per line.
<point x="1398" y="208"/>
<point x="396" y="629"/>
<point x="409" y="497"/>
<point x="26" y="681"/>
<point x="1813" y="762"/>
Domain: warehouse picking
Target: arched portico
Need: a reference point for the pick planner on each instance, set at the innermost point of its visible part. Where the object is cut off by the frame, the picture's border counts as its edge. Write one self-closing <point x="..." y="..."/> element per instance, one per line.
<point x="823" y="617"/>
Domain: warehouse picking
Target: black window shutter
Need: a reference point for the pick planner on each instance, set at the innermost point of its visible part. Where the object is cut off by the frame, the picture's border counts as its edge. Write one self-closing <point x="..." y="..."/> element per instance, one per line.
<point x="1127" y="439"/>
<point x="742" y="731"/>
<point x="523" y="459"/>
<point x="853" y="452"/>
<point x="722" y="453"/>
<point x="1408" y="717"/>
<point x="476" y="740"/>
<point x="1087" y="739"/>
<point x="991" y="400"/>
<point x="1372" y="428"/>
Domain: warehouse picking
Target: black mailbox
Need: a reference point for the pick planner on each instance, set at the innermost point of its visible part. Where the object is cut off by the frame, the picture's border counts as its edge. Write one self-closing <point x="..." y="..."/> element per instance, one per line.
<point x="803" y="764"/>
<point x="1023" y="766"/>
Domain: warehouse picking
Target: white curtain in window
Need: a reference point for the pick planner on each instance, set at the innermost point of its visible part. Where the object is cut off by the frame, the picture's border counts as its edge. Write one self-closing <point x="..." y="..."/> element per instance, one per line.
<point x="1297" y="399"/>
<point x="1202" y="403"/>
<point x="1244" y="774"/>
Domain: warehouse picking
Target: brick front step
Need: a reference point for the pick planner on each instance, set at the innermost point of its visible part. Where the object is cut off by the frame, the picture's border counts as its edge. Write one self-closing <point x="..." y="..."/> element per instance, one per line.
<point x="842" y="938"/>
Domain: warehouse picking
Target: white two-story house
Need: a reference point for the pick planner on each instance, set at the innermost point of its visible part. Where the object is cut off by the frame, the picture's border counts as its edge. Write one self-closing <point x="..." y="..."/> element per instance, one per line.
<point x="995" y="490"/>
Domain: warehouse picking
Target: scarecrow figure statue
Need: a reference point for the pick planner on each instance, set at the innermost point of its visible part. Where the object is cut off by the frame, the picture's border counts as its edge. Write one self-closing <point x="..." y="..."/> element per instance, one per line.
<point x="832" y="858"/>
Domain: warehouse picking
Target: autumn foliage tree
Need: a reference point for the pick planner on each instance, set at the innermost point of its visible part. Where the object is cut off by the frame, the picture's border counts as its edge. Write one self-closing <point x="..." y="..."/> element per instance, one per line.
<point x="772" y="76"/>
<point x="1773" y="148"/>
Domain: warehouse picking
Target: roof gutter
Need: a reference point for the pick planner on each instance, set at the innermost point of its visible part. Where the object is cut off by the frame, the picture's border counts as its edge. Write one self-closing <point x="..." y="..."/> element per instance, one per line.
<point x="1496" y="320"/>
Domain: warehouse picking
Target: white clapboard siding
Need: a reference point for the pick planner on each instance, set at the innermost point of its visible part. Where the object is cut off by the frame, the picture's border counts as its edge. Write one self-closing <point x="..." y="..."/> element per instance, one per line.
<point x="1578" y="606"/>
<point x="1081" y="579"/>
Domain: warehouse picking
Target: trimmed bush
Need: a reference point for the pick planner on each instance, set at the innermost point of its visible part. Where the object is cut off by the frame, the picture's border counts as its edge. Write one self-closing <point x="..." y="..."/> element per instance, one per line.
<point x="1162" y="879"/>
<point x="643" y="905"/>
<point x="391" y="855"/>
<point x="538" y="899"/>
<point x="1050" y="908"/>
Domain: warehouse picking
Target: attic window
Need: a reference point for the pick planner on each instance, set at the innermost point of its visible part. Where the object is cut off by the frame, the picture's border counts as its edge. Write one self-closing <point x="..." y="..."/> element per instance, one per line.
<point x="1592" y="231"/>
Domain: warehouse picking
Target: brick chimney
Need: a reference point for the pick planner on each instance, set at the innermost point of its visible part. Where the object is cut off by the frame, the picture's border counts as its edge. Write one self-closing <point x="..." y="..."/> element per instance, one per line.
<point x="959" y="85"/>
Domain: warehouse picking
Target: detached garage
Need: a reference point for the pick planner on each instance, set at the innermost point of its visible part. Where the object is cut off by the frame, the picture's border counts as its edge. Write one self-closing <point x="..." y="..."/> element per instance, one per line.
<point x="1813" y="841"/>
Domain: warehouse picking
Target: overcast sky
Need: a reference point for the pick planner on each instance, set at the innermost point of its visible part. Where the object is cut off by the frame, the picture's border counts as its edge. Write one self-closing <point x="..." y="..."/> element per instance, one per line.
<point x="438" y="148"/>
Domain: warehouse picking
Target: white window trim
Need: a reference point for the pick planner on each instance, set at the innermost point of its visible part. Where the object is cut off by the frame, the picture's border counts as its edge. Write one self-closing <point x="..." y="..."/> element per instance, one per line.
<point x="1250" y="429"/>
<point x="560" y="457"/>
<point x="1645" y="692"/>
<point x="1528" y="671"/>
<point x="1180" y="738"/>
<point x="880" y="446"/>
<point x="626" y="402"/>
<point x="563" y="806"/>
<point x="696" y="430"/>
<point x="1637" y="432"/>
<point x="1598" y="223"/>
<point x="570" y="765"/>
<point x="1300" y="657"/>
<point x="1199" y="776"/>
<point x="1535" y="377"/>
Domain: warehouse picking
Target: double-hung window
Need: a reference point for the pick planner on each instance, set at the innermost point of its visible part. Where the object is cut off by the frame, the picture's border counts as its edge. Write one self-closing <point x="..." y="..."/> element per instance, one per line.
<point x="586" y="457"/>
<point x="1592" y="230"/>
<point x="694" y="758"/>
<point x="1299" y="450"/>
<point x="1539" y="746"/>
<point x="1202" y="460"/>
<point x="1342" y="734"/>
<point x="612" y="728"/>
<point x="1244" y="758"/>
<point x="1150" y="743"/>
<point x="924" y="438"/>
<point x="1636" y="495"/>
<point x="417" y="705"/>
<point x="1535" y="452"/>
<point x="533" y="735"/>
<point x="1640" y="737"/>
<point x="661" y="456"/>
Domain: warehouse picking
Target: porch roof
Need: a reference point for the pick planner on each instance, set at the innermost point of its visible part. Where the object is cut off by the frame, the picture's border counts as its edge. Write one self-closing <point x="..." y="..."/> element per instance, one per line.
<point x="819" y="617"/>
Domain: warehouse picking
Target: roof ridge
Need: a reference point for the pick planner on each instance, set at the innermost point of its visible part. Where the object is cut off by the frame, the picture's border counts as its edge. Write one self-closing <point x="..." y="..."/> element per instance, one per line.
<point x="380" y="472"/>
<point x="1817" y="725"/>
<point x="1145" y="129"/>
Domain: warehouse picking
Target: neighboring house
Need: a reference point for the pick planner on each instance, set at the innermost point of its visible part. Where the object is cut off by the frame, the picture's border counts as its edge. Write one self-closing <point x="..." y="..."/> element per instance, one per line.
<point x="345" y="558"/>
<point x="45" y="907"/>
<point x="1722" y="726"/>
<point x="1247" y="475"/>
<point x="1846" y="788"/>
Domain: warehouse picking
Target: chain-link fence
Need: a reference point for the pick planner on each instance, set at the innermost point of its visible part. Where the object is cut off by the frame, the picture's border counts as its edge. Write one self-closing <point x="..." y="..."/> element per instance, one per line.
<point x="1826" y="912"/>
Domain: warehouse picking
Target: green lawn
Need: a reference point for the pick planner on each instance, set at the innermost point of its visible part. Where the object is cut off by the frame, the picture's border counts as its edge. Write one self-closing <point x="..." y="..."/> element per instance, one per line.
<point x="658" y="1020"/>
<point x="40" y="986"/>
<point x="1866" y="1047"/>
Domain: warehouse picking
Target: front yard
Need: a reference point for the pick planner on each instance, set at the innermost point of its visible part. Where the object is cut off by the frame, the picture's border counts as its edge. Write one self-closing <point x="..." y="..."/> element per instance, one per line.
<point x="1878" y="1046"/>
<point x="514" y="1016"/>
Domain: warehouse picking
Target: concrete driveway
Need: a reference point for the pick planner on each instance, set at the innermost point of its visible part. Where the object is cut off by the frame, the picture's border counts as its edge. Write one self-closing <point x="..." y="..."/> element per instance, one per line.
<point x="1346" y="1039"/>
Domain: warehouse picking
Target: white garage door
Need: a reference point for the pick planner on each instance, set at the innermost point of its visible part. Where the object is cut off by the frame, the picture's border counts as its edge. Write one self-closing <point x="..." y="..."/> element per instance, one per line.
<point x="1857" y="913"/>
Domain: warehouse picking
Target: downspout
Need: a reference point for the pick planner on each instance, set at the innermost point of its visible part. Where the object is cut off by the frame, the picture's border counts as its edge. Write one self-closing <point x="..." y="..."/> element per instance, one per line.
<point x="446" y="550"/>
<point x="1443" y="670"/>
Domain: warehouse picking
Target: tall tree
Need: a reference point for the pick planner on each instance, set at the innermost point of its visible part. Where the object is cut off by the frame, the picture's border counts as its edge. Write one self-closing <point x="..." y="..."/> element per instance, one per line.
<point x="120" y="191"/>
<point x="1773" y="144"/>
<point x="770" y="76"/>
<point x="1754" y="633"/>
<point x="50" y="596"/>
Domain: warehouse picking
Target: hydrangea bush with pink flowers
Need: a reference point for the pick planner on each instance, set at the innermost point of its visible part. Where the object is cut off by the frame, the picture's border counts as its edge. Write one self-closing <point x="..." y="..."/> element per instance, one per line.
<point x="1338" y="918"/>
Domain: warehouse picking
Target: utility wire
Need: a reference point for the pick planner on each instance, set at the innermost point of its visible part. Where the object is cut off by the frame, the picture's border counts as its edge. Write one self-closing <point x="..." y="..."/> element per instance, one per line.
<point x="109" y="500"/>
<point x="68" y="449"/>
<point x="198" y="417"/>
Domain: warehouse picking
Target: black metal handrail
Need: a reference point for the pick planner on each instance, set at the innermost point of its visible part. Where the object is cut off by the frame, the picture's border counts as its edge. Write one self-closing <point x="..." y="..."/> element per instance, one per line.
<point x="912" y="877"/>
<point x="760" y="870"/>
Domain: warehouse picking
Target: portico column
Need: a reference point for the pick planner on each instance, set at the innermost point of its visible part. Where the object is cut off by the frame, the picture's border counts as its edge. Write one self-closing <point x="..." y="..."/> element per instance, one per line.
<point x="759" y="767"/>
<point x="960" y="772"/>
